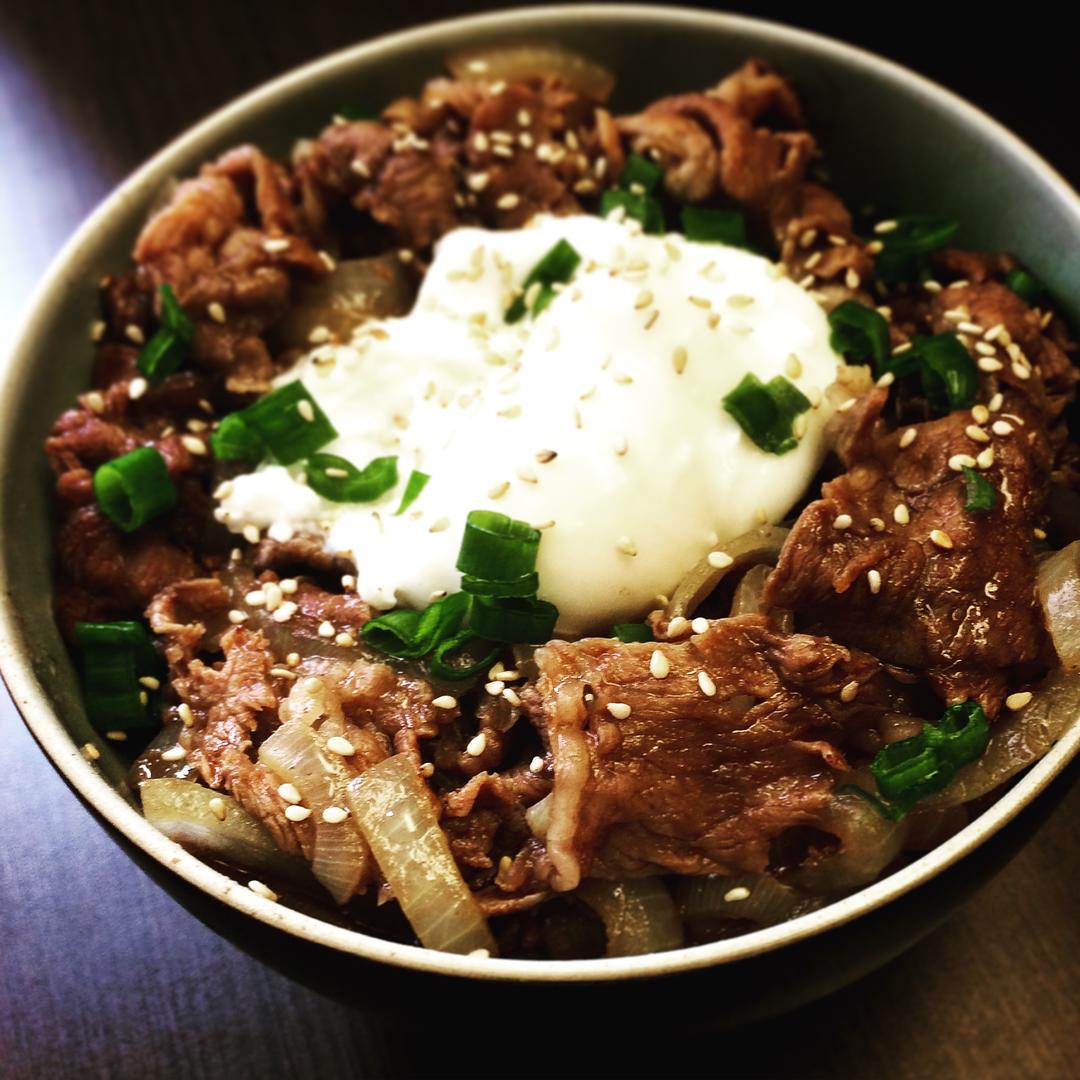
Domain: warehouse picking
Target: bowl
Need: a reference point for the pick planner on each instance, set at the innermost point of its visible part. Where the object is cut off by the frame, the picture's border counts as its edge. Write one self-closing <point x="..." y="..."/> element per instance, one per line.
<point x="935" y="144"/>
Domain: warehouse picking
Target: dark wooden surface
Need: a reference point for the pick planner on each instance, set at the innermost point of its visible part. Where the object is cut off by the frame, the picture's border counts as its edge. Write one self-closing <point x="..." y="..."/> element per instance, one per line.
<point x="102" y="974"/>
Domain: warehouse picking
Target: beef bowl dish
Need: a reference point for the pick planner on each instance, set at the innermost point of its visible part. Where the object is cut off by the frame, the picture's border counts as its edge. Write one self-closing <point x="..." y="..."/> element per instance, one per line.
<point x="529" y="528"/>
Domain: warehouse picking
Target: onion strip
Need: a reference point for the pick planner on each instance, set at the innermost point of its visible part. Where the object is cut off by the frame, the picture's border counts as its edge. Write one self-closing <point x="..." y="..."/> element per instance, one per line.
<point x="396" y="813"/>
<point x="1058" y="586"/>
<point x="521" y="61"/>
<point x="639" y="914"/>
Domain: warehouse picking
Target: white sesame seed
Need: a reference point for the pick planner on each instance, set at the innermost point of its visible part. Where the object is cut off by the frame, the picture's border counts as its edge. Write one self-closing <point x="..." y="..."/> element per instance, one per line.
<point x="887" y="379"/>
<point x="958" y="462"/>
<point x="338" y="744"/>
<point x="793" y="366"/>
<point x="1020" y="371"/>
<point x="360" y="167"/>
<point x="618" y="709"/>
<point x="985" y="458"/>
<point x="976" y="433"/>
<point x="706" y="684"/>
<point x="1002" y="427"/>
<point x="193" y="445"/>
<point x="849" y="692"/>
<point x="499" y="490"/>
<point x="445" y="701"/>
<point x="328" y="261"/>
<point x="95" y="402"/>
<point x="536" y="765"/>
<point x="217" y="807"/>
<point x="852" y="279"/>
<point x="150" y="682"/>
<point x="1039" y="534"/>
<point x="326" y="629"/>
<point x="877" y="524"/>
<point x="90" y="751"/>
<point x="284" y="612"/>
<point x="495" y="687"/>
<point x="251" y="534"/>
<point x="237" y="617"/>
<point x="941" y="538"/>
<point x="720" y="560"/>
<point x="1018" y="700"/>
<point x="187" y="717"/>
<point x="135" y="334"/>
<point x="477" y="744"/>
<point x="842" y="521"/>
<point x="699" y="625"/>
<point x="659" y="667"/>
<point x="118" y="736"/>
<point x="996" y="403"/>
<point x="275" y="244"/>
<point x="137" y="387"/>
<point x="97" y="329"/>
<point x="984" y="348"/>
<point x="510" y="696"/>
<point x="174" y="753"/>
<point x="290" y="793"/>
<point x="873" y="579"/>
<point x="297" y="813"/>
<point x="259" y="889"/>
<point x="989" y="364"/>
<point x="626" y="546"/>
<point x="908" y="437"/>
<point x="527" y="475"/>
<point x="440" y="525"/>
<point x="334" y="815"/>
<point x="345" y="640"/>
<point x="845" y="405"/>
<point x="883" y="227"/>
<point x="678" y="627"/>
<point x="968" y="327"/>
<point x="932" y="286"/>
<point x="740" y="892"/>
<point x="900" y="514"/>
<point x="508" y="201"/>
<point x="215" y="311"/>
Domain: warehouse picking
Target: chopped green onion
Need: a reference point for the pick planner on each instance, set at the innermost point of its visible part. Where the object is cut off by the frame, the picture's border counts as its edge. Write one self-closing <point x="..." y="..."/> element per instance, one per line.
<point x="766" y="411"/>
<point x="442" y="666"/>
<point x="962" y="735"/>
<point x="290" y="423"/>
<point x="642" y="208"/>
<point x="235" y="441"/>
<point x="497" y="548"/>
<point x="714" y="226"/>
<point x="640" y="172"/>
<point x="522" y="586"/>
<point x="169" y="346"/>
<point x="514" y="621"/>
<point x="633" y="631"/>
<point x="980" y="492"/>
<point x="412" y="634"/>
<point x="950" y="379"/>
<point x="1025" y="284"/>
<point x="134" y="488"/>
<point x="339" y="480"/>
<point x="919" y="234"/>
<point x="860" y="334"/>
<point x="413" y="486"/>
<point x="115" y="656"/>
<point x="558" y="265"/>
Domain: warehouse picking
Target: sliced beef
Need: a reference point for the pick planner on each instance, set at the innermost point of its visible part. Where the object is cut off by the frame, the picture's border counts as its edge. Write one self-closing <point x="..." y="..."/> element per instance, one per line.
<point x="691" y="782"/>
<point x="955" y="589"/>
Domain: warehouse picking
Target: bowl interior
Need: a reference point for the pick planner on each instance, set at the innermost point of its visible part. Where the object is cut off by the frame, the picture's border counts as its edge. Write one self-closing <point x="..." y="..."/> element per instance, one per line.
<point x="890" y="139"/>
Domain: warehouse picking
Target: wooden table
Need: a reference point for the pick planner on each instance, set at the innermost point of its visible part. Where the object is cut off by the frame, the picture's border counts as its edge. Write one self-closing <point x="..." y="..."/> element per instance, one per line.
<point x="102" y="974"/>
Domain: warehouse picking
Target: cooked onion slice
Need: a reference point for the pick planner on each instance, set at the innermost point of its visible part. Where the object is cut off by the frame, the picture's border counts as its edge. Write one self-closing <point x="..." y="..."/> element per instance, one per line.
<point x="868" y="843"/>
<point x="182" y="810"/>
<point x="358" y="290"/>
<point x="1058" y="586"/>
<point x="758" y="898"/>
<point x="397" y="815"/>
<point x="295" y="753"/>
<point x="532" y="60"/>
<point x="747" y="599"/>
<point x="760" y="545"/>
<point x="639" y="914"/>
<point x="1016" y="740"/>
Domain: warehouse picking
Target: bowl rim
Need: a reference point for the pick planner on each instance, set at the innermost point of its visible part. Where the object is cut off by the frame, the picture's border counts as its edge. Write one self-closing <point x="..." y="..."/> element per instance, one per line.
<point x="39" y="716"/>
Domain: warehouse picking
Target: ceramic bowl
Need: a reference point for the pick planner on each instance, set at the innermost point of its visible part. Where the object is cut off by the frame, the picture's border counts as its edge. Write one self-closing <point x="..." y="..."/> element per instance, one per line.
<point x="890" y="137"/>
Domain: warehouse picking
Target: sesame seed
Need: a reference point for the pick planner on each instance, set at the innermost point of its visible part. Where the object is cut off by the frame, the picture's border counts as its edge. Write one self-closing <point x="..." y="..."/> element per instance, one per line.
<point x="984" y="348"/>
<point x="1002" y="427"/>
<point x="290" y="793"/>
<point x="976" y="433"/>
<point x="625" y="545"/>
<point x="651" y="320"/>
<point x="495" y="687"/>
<point x="702" y="302"/>
<point x="887" y="379"/>
<point x="643" y="300"/>
<point x="720" y="560"/>
<point x="706" y="684"/>
<point x="877" y="524"/>
<point x="275" y="244"/>
<point x="941" y="538"/>
<point x="814" y="260"/>
<point x="134" y="333"/>
<point x="95" y="402"/>
<point x="174" y="753"/>
<point x="807" y="282"/>
<point x="845" y="405"/>
<point x="217" y="807"/>
<point x="499" y="490"/>
<point x="508" y="201"/>
<point x="478" y="181"/>
<point x="1020" y="371"/>
<point x="679" y="358"/>
<point x="699" y="625"/>
<point x="740" y="892"/>
<point x="900" y="514"/>
<point x="328" y="261"/>
<point x="326" y="629"/>
<point x="807" y="238"/>
<point x="932" y="286"/>
<point x="1039" y="534"/>
<point x="193" y="445"/>
<point x="1018" y="700"/>
<point x="989" y="364"/>
<point x="527" y="476"/>
<point x="883" y="227"/>
<point x="477" y="744"/>
<point x="137" y="387"/>
<point x="187" y="717"/>
<point x="90" y="752"/>
<point x="536" y="765"/>
<point x="216" y="312"/>
<point x="852" y="279"/>
<point x="873" y="579"/>
<point x="621" y="446"/>
<point x="360" y="168"/>
<point x="237" y="617"/>
<point x="510" y="695"/>
<point x="480" y="142"/>
<point x="251" y="534"/>
<point x="297" y="813"/>
<point x="959" y="462"/>
<point x="441" y="525"/>
<point x="345" y="640"/>
<point x="740" y="300"/>
<point x="290" y="585"/>
<point x="842" y="521"/>
<point x="908" y="438"/>
<point x="338" y="744"/>
<point x="118" y="736"/>
<point x="97" y="329"/>
<point x="659" y="667"/>
<point x="620" y="710"/>
<point x="259" y="889"/>
<point x="849" y="692"/>
<point x="334" y="815"/>
<point x="284" y="612"/>
<point x="446" y="701"/>
<point x="968" y="327"/>
<point x="150" y="682"/>
<point x="985" y="458"/>
<point x="793" y="366"/>
<point x="677" y="627"/>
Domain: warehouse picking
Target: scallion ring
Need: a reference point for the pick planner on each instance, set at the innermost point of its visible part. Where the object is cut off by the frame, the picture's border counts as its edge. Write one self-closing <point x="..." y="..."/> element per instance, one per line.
<point x="339" y="480"/>
<point x="135" y="488"/>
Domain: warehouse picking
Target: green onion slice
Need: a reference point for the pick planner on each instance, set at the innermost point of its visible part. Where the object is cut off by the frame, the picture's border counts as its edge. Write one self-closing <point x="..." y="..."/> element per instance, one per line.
<point x="1025" y="284"/>
<point x="513" y="620"/>
<point x="640" y="172"/>
<point x="634" y="631"/>
<point x="950" y="379"/>
<point x="522" y="586"/>
<point x="558" y="265"/>
<point x="234" y="440"/>
<point x="962" y="735"/>
<point x="413" y="486"/>
<point x="919" y="234"/>
<point x="412" y="634"/>
<point x="290" y="423"/>
<point x="860" y="334"/>
<point x="714" y="226"/>
<point x="642" y="208"/>
<point x="339" y="480"/>
<point x="980" y="495"/>
<point x="115" y="656"/>
<point x="442" y="663"/>
<point x="134" y="488"/>
<point x="767" y="411"/>
<point x="169" y="346"/>
<point x="497" y="548"/>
